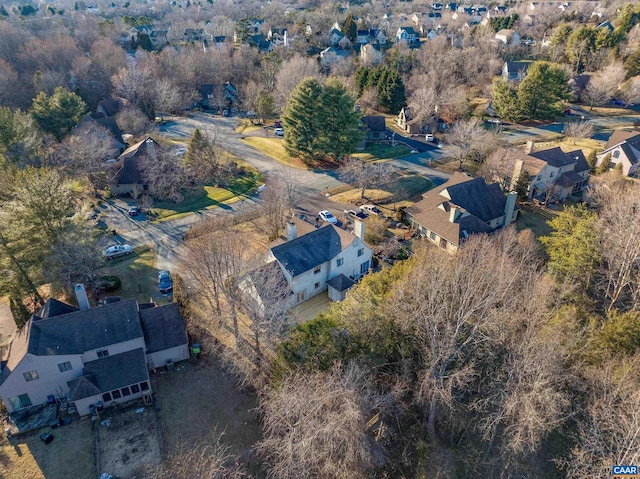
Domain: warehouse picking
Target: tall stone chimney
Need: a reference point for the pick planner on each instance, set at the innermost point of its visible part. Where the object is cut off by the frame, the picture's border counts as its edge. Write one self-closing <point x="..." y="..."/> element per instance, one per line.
<point x="81" y="296"/>
<point x="509" y="206"/>
<point x="292" y="230"/>
<point x="358" y="228"/>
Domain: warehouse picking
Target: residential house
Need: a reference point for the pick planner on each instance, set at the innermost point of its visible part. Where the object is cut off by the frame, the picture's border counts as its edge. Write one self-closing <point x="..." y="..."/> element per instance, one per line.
<point x="312" y="261"/>
<point x="405" y="121"/>
<point x="336" y="38"/>
<point x="90" y="356"/>
<point x="193" y="35"/>
<point x="406" y="36"/>
<point x="507" y="36"/>
<point x="624" y="148"/>
<point x="128" y="178"/>
<point x="515" y="71"/>
<point x="376" y="129"/>
<point x="331" y="55"/>
<point x="94" y="122"/>
<point x="219" y="96"/>
<point x="553" y="174"/>
<point x="606" y="25"/>
<point x="219" y="41"/>
<point x="451" y="6"/>
<point x="108" y="107"/>
<point x="370" y="55"/>
<point x="448" y="214"/>
<point x="372" y="36"/>
<point x="278" y="36"/>
<point x="157" y="37"/>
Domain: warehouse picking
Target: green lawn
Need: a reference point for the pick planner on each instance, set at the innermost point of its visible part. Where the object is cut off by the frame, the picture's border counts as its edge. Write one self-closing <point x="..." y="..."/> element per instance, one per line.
<point x="207" y="197"/>
<point x="137" y="272"/>
<point x="273" y="147"/>
<point x="534" y="222"/>
<point x="381" y="151"/>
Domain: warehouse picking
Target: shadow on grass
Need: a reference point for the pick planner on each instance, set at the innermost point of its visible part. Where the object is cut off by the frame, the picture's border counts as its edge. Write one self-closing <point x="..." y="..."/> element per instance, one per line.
<point x="208" y="197"/>
<point x="137" y="273"/>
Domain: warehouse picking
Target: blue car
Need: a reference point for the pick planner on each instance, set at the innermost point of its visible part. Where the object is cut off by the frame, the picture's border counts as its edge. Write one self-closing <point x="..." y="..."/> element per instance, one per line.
<point x="165" y="282"/>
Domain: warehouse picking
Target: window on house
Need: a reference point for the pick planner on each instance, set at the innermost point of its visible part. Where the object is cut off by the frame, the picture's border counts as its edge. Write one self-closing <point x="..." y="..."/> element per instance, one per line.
<point x="144" y="386"/>
<point x="300" y="297"/>
<point x="106" y="397"/>
<point x="116" y="394"/>
<point x="316" y="286"/>
<point x="125" y="392"/>
<point x="360" y="251"/>
<point x="552" y="174"/>
<point x="102" y="353"/>
<point x="30" y="375"/>
<point x="317" y="269"/>
<point x="66" y="366"/>
<point x="339" y="262"/>
<point x="616" y="154"/>
<point x="18" y="402"/>
<point x="432" y="236"/>
<point x="364" y="267"/>
<point x="135" y="389"/>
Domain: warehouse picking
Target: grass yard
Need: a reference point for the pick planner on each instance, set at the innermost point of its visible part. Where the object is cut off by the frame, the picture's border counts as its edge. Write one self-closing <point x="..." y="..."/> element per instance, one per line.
<point x="199" y="398"/>
<point x="207" y="197"/>
<point x="382" y="151"/>
<point x="403" y="188"/>
<point x="534" y="222"/>
<point x="138" y="275"/>
<point x="245" y="126"/>
<point x="69" y="455"/>
<point x="273" y="147"/>
<point x="587" y="145"/>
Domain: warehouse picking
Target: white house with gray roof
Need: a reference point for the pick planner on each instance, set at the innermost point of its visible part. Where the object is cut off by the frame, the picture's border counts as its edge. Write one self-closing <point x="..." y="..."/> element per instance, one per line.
<point x="92" y="355"/>
<point x="311" y="262"/>
<point x="624" y="148"/>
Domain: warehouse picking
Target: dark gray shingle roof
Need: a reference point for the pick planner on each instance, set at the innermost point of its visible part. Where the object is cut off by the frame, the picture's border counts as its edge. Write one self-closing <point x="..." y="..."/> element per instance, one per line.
<point x="163" y="327"/>
<point x="81" y="331"/>
<point x="310" y="250"/>
<point x="340" y="283"/>
<point x="374" y="122"/>
<point x="53" y="307"/>
<point x="115" y="372"/>
<point x="83" y="387"/>
<point x="487" y="202"/>
<point x="553" y="157"/>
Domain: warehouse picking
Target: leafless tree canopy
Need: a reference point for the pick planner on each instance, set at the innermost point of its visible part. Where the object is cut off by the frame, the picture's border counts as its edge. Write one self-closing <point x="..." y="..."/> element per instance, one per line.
<point x="578" y="129"/>
<point x="364" y="175"/>
<point x="316" y="426"/>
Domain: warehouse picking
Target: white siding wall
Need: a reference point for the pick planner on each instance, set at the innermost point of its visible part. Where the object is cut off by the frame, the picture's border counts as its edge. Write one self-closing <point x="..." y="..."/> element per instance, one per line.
<point x="350" y="267"/>
<point x="115" y="349"/>
<point x="50" y="379"/>
<point x="160" y="358"/>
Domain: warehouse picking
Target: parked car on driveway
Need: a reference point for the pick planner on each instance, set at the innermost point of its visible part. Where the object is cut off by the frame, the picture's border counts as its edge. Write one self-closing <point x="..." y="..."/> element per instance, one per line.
<point x="165" y="282"/>
<point x="328" y="217"/>
<point x="278" y="132"/>
<point x="134" y="211"/>
<point x="117" y="250"/>
<point x="429" y="137"/>
<point x="374" y="210"/>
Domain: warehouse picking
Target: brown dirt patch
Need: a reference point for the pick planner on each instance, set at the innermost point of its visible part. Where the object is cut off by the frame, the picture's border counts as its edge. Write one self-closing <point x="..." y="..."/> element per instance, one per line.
<point x="130" y="444"/>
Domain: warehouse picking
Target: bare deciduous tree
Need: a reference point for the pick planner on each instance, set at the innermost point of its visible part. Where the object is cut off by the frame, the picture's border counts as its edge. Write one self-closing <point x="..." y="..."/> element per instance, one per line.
<point x="423" y="103"/>
<point x="163" y="173"/>
<point x="364" y="175"/>
<point x="578" y="129"/>
<point x="630" y="91"/>
<point x="609" y="428"/>
<point x="209" y="459"/>
<point x="498" y="167"/>
<point x="279" y="196"/>
<point x="464" y="137"/>
<point x="455" y="308"/>
<point x="619" y="226"/>
<point x="315" y="426"/>
<point x="603" y="86"/>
